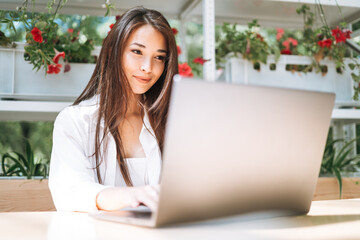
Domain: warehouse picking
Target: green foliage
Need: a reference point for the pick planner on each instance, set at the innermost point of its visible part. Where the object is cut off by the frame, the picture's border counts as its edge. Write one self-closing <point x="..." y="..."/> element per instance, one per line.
<point x="356" y="78"/>
<point x="41" y="53"/>
<point x="337" y="52"/>
<point x="75" y="51"/>
<point x="5" y="41"/>
<point x="38" y="133"/>
<point x="109" y="7"/>
<point x="338" y="162"/>
<point x="317" y="43"/>
<point x="17" y="164"/>
<point x="250" y="43"/>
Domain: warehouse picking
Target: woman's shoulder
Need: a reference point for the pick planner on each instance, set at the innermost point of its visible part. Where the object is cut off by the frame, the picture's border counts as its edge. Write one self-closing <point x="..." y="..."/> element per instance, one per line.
<point x="82" y="113"/>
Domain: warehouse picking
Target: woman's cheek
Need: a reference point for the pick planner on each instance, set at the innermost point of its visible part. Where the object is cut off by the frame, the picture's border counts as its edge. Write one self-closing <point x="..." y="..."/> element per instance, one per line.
<point x="130" y="61"/>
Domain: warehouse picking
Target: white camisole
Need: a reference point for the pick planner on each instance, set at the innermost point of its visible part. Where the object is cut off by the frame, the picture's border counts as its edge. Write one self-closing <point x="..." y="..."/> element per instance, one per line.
<point x="138" y="172"/>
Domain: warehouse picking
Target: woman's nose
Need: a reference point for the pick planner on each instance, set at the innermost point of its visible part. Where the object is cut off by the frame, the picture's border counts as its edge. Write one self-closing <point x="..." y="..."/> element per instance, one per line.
<point x="146" y="66"/>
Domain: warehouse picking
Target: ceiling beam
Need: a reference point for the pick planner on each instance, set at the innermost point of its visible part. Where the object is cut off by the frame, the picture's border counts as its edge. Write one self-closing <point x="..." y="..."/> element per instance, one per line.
<point x="188" y="8"/>
<point x="343" y="3"/>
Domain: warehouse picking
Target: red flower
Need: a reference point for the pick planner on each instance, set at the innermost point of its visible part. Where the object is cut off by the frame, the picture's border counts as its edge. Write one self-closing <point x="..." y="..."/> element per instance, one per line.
<point x="111" y="26"/>
<point x="289" y="41"/>
<point x="341" y="35"/>
<point x="57" y="57"/>
<point x="175" y="31"/>
<point x="117" y="17"/>
<point x="200" y="60"/>
<point x="178" y="50"/>
<point x="347" y="33"/>
<point x="36" y="33"/>
<point x="325" y="43"/>
<point x="280" y="33"/>
<point x="286" y="52"/>
<point x="260" y="37"/>
<point x="70" y="30"/>
<point x="54" y="68"/>
<point x="185" y="70"/>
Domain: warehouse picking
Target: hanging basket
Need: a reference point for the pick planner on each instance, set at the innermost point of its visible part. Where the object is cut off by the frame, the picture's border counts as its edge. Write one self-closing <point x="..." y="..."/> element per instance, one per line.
<point x="19" y="81"/>
<point x="280" y="74"/>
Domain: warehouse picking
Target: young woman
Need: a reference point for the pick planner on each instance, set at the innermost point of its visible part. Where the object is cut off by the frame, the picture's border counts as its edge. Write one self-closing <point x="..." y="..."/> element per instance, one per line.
<point x="107" y="146"/>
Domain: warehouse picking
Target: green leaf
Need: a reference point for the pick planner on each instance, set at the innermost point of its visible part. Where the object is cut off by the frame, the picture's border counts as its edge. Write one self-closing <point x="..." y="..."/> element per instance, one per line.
<point x="24" y="161"/>
<point x="351" y="66"/>
<point x="341" y="158"/>
<point x="29" y="155"/>
<point x="18" y="163"/>
<point x="355" y="77"/>
<point x="339" y="179"/>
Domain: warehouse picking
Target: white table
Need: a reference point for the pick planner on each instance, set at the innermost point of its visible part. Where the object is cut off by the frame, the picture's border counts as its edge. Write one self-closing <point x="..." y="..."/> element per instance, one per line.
<point x="335" y="219"/>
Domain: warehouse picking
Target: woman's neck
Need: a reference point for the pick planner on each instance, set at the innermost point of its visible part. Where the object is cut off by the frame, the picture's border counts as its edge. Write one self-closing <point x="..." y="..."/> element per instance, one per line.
<point x="133" y="107"/>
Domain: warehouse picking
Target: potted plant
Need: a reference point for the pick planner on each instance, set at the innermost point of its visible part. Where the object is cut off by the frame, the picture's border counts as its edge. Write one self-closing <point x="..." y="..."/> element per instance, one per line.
<point x="28" y="190"/>
<point x="250" y="60"/>
<point x="339" y="166"/>
<point x="57" y="61"/>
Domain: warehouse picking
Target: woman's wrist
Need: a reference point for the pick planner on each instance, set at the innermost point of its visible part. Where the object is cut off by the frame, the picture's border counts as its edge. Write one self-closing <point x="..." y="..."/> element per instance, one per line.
<point x="109" y="200"/>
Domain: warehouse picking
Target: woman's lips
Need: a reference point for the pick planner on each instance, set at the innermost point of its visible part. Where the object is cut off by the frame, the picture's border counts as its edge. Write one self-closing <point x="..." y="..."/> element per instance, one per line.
<point x="142" y="79"/>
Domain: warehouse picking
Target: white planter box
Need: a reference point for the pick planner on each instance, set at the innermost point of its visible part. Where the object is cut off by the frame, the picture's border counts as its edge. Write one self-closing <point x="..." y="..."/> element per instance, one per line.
<point x="19" y="81"/>
<point x="238" y="70"/>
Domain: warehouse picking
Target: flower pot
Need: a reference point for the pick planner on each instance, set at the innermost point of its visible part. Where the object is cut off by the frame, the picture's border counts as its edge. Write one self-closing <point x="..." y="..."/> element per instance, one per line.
<point x="239" y="70"/>
<point x="25" y="195"/>
<point x="327" y="188"/>
<point x="19" y="81"/>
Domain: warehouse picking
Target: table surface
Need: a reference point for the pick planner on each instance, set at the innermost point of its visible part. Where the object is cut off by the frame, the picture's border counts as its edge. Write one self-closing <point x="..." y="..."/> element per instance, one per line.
<point x="335" y="219"/>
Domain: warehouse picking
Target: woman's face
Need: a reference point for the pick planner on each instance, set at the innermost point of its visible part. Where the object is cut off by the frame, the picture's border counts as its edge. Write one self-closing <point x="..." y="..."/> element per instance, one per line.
<point x="144" y="58"/>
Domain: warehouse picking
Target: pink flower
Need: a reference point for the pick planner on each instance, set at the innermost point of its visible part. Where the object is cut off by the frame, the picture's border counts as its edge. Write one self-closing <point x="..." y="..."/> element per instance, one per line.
<point x="248" y="46"/>
<point x="70" y="30"/>
<point x="36" y="33"/>
<point x="200" y="60"/>
<point x="175" y="31"/>
<point x="185" y="70"/>
<point x="293" y="41"/>
<point x="280" y="33"/>
<point x="289" y="41"/>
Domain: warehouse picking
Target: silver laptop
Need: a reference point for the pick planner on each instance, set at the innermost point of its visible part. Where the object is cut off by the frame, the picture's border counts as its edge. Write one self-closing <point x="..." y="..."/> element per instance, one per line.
<point x="232" y="149"/>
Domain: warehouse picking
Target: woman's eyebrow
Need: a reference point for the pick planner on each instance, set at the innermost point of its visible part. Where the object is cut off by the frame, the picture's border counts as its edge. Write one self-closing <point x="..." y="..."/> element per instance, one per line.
<point x="138" y="44"/>
<point x="143" y="46"/>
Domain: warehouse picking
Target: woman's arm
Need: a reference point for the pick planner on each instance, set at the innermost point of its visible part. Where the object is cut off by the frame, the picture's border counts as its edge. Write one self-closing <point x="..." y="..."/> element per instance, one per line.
<point x="72" y="178"/>
<point x="111" y="199"/>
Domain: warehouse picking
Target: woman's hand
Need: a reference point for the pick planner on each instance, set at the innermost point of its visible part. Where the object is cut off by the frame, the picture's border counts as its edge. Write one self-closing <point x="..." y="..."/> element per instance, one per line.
<point x="112" y="199"/>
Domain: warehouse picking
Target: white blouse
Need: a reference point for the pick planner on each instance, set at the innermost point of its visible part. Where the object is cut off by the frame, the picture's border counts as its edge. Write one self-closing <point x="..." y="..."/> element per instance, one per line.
<point x="138" y="171"/>
<point x="72" y="179"/>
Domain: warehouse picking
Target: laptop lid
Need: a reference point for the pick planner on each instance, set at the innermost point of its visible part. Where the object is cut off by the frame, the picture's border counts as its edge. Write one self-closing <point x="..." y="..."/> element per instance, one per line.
<point x="232" y="149"/>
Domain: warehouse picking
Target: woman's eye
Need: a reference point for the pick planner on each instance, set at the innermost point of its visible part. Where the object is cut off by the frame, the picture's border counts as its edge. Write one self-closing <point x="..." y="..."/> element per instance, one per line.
<point x="136" y="51"/>
<point x="161" y="58"/>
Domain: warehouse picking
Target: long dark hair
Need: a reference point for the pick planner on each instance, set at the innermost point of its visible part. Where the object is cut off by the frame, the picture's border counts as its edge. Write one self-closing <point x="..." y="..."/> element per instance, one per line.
<point x="110" y="83"/>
